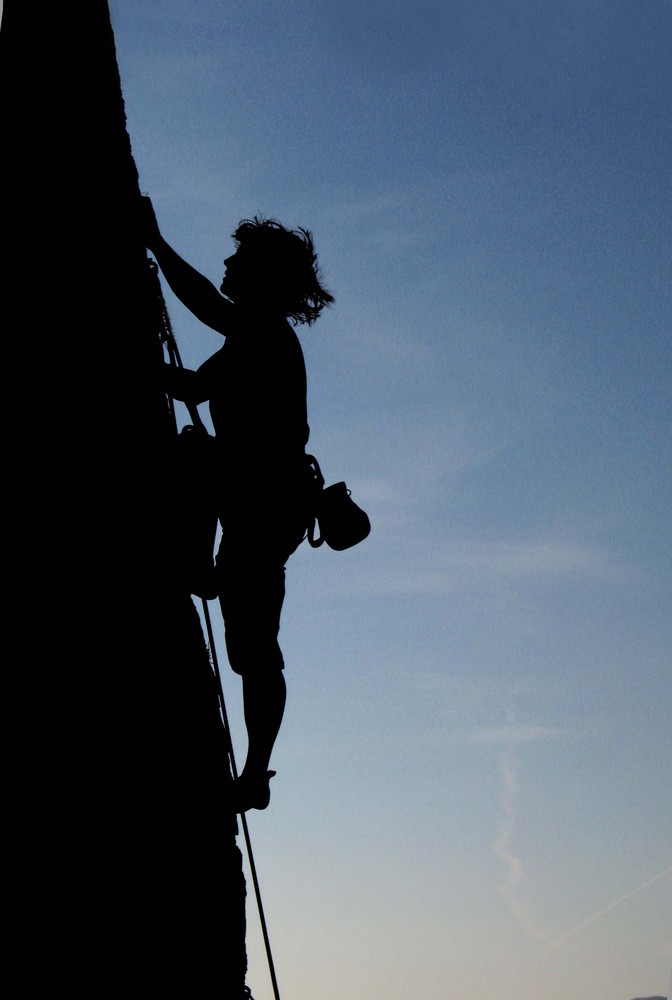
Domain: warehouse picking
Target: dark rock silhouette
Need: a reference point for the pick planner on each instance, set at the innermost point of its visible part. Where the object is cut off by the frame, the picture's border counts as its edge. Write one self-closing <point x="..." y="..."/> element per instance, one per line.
<point x="130" y="874"/>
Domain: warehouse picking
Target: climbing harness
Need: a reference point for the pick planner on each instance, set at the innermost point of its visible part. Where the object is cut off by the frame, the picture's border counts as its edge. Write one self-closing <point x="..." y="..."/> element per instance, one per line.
<point x="167" y="338"/>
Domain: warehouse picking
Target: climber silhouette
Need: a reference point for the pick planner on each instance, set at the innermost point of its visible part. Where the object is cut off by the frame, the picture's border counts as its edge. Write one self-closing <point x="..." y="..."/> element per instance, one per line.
<point x="256" y="388"/>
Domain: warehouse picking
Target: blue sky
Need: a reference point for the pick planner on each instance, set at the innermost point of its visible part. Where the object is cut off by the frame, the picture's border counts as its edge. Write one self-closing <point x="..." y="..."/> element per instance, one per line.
<point x="473" y="794"/>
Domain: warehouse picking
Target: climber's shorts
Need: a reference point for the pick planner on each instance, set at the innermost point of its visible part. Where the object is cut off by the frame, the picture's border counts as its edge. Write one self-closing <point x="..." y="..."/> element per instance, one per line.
<point x="250" y="569"/>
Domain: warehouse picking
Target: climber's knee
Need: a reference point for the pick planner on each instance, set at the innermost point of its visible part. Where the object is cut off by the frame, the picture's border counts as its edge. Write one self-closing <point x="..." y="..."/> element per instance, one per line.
<point x="251" y="597"/>
<point x="251" y="653"/>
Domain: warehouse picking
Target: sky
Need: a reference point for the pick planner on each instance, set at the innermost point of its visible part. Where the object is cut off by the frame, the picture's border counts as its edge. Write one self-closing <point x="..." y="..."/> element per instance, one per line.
<point x="473" y="793"/>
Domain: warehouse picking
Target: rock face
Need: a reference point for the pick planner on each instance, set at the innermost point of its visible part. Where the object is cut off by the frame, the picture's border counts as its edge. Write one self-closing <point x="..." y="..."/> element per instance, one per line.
<point x="131" y="877"/>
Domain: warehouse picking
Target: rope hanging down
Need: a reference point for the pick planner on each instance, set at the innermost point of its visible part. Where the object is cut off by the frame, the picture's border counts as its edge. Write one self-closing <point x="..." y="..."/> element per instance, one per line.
<point x="243" y="820"/>
<point x="168" y="341"/>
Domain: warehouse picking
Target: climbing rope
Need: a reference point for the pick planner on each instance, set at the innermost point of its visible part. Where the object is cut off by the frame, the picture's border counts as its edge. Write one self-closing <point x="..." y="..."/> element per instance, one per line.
<point x="168" y="341"/>
<point x="165" y="332"/>
<point x="243" y="820"/>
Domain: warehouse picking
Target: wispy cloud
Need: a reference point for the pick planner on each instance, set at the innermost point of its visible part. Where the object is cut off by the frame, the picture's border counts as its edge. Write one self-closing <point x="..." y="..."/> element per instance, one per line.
<point x="501" y="845"/>
<point x="511" y="733"/>
<point x="453" y="566"/>
<point x="607" y="909"/>
<point x="544" y="557"/>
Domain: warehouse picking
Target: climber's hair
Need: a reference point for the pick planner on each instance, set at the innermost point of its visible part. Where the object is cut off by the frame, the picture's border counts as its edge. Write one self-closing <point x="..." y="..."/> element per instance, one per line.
<point x="292" y="262"/>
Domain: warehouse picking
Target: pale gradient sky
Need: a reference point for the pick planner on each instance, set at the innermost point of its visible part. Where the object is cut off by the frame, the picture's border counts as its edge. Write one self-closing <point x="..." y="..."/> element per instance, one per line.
<point x="473" y="796"/>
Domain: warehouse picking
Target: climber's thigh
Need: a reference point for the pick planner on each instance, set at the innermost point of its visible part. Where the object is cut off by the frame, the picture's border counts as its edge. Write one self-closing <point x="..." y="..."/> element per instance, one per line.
<point x="251" y="599"/>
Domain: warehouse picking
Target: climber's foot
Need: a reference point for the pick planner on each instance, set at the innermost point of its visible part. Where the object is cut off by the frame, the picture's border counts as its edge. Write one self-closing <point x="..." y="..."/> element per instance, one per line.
<point x="252" y="792"/>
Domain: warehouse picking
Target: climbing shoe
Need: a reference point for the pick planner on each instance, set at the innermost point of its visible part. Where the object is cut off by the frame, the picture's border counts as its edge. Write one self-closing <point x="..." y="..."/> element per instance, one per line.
<point x="252" y="793"/>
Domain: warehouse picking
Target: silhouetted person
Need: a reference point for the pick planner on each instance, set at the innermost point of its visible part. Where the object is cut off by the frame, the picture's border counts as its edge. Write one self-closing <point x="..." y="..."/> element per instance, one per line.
<point x="256" y="388"/>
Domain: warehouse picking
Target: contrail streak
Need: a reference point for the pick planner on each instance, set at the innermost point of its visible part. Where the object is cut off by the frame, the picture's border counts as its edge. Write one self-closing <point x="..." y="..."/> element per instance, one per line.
<point x="501" y="841"/>
<point x="500" y="845"/>
<point x="612" y="906"/>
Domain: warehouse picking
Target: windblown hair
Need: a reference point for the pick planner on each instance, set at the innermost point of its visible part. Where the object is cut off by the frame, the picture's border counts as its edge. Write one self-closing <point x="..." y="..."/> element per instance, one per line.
<point x="291" y="260"/>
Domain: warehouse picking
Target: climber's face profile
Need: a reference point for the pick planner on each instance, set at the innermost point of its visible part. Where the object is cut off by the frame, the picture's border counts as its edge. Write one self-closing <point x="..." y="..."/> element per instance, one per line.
<point x="252" y="279"/>
<point x="246" y="274"/>
<point x="236" y="277"/>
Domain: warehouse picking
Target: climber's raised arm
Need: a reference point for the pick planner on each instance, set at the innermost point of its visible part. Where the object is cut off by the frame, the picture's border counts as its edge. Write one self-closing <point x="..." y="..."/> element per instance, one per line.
<point x="194" y="290"/>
